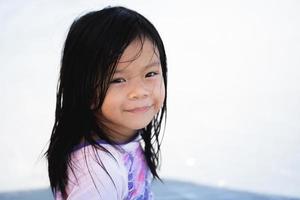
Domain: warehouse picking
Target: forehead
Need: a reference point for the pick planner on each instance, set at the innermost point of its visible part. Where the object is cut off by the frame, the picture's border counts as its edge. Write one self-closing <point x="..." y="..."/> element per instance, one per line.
<point x="138" y="53"/>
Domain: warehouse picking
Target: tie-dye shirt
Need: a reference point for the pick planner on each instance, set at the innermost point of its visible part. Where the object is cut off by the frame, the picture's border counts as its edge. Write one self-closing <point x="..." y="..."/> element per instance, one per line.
<point x="129" y="176"/>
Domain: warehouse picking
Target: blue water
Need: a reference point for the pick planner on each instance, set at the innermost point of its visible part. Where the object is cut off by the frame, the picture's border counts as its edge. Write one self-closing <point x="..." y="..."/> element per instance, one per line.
<point x="169" y="190"/>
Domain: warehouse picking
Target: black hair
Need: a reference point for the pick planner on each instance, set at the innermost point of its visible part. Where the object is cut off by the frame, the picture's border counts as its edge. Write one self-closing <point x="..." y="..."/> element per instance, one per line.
<point x="93" y="47"/>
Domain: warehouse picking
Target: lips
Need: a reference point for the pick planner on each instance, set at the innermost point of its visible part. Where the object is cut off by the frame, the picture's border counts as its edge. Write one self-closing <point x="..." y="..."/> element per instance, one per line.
<point x="139" y="109"/>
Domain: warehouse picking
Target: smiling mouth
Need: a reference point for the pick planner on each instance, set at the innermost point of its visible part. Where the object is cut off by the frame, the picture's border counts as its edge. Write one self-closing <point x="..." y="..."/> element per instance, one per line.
<point x="139" y="109"/>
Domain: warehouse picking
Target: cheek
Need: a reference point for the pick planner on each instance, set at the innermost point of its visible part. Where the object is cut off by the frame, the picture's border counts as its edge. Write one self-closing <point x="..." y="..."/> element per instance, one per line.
<point x="111" y="102"/>
<point x="163" y="94"/>
<point x="160" y="94"/>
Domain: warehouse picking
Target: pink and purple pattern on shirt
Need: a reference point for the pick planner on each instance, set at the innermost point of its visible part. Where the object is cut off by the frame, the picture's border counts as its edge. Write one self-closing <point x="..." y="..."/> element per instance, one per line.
<point x="139" y="177"/>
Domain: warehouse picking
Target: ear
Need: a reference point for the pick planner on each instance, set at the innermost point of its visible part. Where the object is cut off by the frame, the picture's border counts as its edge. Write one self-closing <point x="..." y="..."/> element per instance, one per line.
<point x="93" y="106"/>
<point x="93" y="103"/>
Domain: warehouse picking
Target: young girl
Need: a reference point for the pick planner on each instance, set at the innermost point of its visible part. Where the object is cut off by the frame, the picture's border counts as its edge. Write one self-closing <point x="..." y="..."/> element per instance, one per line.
<point x="111" y="101"/>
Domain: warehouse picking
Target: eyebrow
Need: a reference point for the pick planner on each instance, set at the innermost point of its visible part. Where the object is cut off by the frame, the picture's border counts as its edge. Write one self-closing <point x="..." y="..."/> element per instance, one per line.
<point x="154" y="63"/>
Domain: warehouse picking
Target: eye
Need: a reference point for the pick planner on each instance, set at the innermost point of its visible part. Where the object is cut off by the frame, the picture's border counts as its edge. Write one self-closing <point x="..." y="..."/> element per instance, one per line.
<point x="151" y="74"/>
<point x="118" y="80"/>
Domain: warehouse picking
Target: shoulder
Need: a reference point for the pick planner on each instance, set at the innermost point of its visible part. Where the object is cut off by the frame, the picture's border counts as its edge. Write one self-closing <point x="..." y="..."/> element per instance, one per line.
<point x="97" y="173"/>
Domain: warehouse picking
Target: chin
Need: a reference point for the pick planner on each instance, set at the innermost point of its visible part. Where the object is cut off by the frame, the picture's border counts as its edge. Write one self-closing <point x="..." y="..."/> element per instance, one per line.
<point x="140" y="125"/>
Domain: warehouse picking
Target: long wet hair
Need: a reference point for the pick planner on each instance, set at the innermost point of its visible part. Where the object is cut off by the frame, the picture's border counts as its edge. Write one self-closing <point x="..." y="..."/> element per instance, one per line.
<point x="93" y="47"/>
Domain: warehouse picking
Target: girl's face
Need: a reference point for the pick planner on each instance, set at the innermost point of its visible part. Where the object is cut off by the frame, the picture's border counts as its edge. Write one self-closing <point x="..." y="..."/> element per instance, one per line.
<point x="136" y="92"/>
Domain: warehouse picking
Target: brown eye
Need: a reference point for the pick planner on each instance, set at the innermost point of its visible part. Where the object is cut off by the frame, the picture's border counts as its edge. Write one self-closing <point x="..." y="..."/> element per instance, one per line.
<point x="151" y="74"/>
<point x="118" y="80"/>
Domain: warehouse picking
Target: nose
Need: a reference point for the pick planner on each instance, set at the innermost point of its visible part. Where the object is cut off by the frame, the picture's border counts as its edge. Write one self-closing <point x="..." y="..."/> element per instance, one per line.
<point x="138" y="90"/>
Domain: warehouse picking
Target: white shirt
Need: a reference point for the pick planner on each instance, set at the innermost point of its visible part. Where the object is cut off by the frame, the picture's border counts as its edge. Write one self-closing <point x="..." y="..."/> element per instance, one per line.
<point x="129" y="176"/>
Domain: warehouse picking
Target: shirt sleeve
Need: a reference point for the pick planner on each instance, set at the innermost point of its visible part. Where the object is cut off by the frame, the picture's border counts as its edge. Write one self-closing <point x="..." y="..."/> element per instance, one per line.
<point x="97" y="175"/>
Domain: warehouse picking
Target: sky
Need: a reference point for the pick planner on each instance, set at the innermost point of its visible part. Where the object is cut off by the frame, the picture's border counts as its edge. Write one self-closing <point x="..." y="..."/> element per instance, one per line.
<point x="233" y="94"/>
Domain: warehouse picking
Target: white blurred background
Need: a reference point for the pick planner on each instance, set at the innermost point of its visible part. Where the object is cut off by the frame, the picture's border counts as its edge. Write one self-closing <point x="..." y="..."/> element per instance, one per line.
<point x="233" y="98"/>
